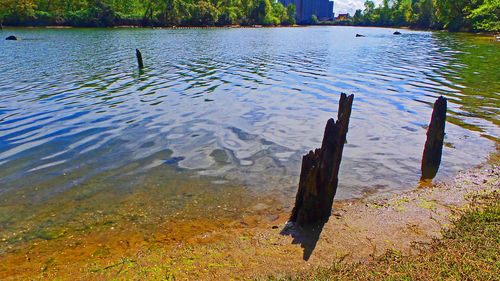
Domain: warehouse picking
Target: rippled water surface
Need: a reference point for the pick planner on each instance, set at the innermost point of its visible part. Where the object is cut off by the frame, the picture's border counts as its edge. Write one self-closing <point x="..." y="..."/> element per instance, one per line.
<point x="241" y="105"/>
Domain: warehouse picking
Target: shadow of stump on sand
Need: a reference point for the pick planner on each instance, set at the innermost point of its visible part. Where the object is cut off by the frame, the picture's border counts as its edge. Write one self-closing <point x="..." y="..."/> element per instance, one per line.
<point x="307" y="236"/>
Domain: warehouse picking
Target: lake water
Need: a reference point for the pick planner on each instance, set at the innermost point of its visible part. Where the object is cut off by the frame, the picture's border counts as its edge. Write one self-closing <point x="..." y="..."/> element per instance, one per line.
<point x="232" y="107"/>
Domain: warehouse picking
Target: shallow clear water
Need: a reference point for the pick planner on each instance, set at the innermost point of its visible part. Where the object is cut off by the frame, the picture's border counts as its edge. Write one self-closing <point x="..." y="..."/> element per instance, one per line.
<point x="240" y="104"/>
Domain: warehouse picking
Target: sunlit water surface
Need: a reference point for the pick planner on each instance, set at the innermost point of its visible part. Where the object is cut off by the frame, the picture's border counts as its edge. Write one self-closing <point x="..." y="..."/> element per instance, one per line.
<point x="239" y="105"/>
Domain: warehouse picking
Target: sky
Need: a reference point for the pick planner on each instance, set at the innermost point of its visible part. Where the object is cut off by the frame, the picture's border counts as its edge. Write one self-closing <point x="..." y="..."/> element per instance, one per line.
<point x="350" y="6"/>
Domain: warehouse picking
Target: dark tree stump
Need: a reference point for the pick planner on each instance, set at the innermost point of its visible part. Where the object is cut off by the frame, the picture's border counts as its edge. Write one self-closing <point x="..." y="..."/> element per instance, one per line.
<point x="431" y="159"/>
<point x="319" y="173"/>
<point x="139" y="58"/>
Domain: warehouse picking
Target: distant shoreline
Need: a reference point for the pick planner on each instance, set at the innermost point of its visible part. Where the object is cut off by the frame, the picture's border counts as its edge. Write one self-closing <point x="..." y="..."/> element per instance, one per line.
<point x="149" y="27"/>
<point x="485" y="33"/>
<point x="234" y="26"/>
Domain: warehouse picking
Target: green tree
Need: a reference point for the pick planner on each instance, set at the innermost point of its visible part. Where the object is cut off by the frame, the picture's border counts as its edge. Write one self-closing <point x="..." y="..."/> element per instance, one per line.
<point x="452" y="14"/>
<point x="17" y="10"/>
<point x="467" y="15"/>
<point x="290" y="12"/>
<point x="262" y="12"/>
<point x="369" y="8"/>
<point x="399" y="11"/>
<point x="357" y="19"/>
<point x="384" y="14"/>
<point x="228" y="16"/>
<point x="407" y="10"/>
<point x="279" y="12"/>
<point x="313" y="19"/>
<point x="486" y="16"/>
<point x="204" y="14"/>
<point x="171" y="12"/>
<point x="425" y="17"/>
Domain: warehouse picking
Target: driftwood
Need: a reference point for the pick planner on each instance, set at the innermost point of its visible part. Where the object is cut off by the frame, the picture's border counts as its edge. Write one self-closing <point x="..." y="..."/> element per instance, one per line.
<point x="139" y="58"/>
<point x="431" y="159"/>
<point x="319" y="173"/>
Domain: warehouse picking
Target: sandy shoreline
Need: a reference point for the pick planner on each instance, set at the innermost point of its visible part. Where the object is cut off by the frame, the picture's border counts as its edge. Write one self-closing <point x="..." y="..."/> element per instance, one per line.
<point x="356" y="232"/>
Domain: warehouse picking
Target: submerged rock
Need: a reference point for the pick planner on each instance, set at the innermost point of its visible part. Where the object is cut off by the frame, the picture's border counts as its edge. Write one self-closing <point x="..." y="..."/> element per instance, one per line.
<point x="12" y="37"/>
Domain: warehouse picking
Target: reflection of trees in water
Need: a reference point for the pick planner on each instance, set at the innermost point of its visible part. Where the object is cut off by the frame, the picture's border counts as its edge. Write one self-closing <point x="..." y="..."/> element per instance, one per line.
<point x="472" y="71"/>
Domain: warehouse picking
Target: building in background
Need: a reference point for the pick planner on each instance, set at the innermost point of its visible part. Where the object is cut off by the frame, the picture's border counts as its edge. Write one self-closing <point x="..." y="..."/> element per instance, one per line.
<point x="343" y="17"/>
<point x="323" y="9"/>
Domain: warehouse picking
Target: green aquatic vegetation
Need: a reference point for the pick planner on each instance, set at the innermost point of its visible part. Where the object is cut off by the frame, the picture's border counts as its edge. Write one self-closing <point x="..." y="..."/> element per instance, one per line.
<point x="96" y="268"/>
<point x="430" y="205"/>
<point x="401" y="201"/>
<point x="397" y="205"/>
<point x="375" y="206"/>
<point x="102" y="251"/>
<point x="449" y="144"/>
<point x="50" y="262"/>
<point x="414" y="228"/>
<point x="49" y="234"/>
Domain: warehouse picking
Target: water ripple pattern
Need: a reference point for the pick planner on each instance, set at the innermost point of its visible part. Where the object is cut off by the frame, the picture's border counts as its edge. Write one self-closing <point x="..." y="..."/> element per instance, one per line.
<point x="243" y="104"/>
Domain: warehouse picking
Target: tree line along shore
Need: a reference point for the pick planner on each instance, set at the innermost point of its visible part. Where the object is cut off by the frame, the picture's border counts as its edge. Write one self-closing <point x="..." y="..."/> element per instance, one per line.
<point x="453" y="15"/>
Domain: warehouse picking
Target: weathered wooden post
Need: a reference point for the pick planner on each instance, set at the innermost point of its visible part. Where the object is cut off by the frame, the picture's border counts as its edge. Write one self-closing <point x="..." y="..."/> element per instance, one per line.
<point x="435" y="138"/>
<point x="319" y="173"/>
<point x="139" y="58"/>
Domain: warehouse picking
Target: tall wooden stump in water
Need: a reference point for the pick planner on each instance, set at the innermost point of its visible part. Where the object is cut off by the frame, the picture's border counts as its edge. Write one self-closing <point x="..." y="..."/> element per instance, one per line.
<point x="139" y="58"/>
<point x="319" y="173"/>
<point x="435" y="138"/>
